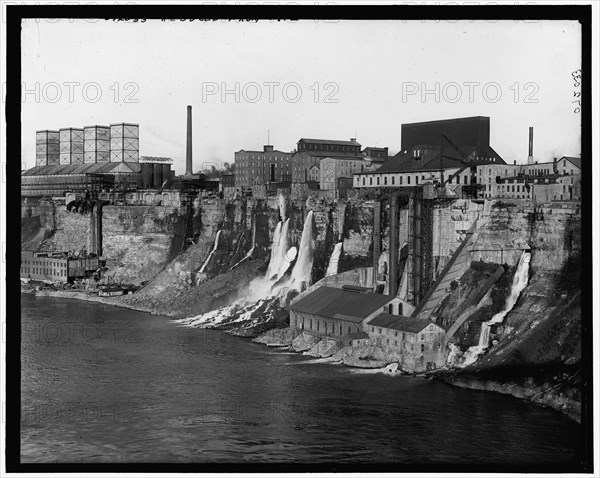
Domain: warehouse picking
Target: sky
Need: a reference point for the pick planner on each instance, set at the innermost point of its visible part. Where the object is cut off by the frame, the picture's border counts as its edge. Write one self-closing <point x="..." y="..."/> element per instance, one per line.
<point x="286" y="80"/>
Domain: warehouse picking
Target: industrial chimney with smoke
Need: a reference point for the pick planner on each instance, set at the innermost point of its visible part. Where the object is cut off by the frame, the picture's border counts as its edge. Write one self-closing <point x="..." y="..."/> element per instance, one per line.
<point x="188" y="149"/>
<point x="530" y="156"/>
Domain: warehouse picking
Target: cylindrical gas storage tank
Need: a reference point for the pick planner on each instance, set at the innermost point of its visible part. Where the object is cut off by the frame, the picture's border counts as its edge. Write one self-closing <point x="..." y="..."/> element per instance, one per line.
<point x="166" y="172"/>
<point x="158" y="175"/>
<point x="147" y="175"/>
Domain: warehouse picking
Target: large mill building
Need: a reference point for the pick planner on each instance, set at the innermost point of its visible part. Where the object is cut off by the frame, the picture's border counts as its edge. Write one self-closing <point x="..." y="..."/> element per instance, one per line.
<point x="91" y="160"/>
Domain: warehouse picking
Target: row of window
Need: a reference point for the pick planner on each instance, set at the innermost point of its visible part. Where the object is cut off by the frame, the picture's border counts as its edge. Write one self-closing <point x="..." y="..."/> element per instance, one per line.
<point x="332" y="328"/>
<point x="456" y="180"/>
<point x="327" y="147"/>
<point x="54" y="262"/>
<point x="263" y="165"/>
<point x="379" y="330"/>
<point x="259" y="156"/>
<point x="404" y="336"/>
<point x="44" y="271"/>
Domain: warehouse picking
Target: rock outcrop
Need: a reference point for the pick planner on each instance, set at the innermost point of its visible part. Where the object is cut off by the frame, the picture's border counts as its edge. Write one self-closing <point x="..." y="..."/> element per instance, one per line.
<point x="324" y="348"/>
<point x="303" y="342"/>
<point x="278" y="337"/>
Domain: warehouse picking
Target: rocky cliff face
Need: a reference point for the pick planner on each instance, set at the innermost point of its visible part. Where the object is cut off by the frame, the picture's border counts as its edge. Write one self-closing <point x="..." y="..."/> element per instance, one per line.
<point x="535" y="353"/>
<point x="174" y="255"/>
<point x="553" y="232"/>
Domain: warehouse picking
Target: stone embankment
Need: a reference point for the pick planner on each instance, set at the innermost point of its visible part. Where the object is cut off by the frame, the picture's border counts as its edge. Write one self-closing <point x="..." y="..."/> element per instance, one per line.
<point x="364" y="356"/>
<point x="278" y="337"/>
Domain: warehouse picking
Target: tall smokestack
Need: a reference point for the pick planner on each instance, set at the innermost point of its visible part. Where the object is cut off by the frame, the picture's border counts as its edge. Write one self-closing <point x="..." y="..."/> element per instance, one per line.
<point x="188" y="149"/>
<point x="530" y="157"/>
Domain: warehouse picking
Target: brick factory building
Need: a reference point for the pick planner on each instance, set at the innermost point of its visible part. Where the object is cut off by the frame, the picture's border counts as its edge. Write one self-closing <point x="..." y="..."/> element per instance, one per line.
<point x="257" y="168"/>
<point x="306" y="160"/>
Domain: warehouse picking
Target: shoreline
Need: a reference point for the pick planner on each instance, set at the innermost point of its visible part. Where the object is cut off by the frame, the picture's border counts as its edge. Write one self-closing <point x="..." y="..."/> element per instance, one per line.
<point x="536" y="395"/>
<point x="79" y="295"/>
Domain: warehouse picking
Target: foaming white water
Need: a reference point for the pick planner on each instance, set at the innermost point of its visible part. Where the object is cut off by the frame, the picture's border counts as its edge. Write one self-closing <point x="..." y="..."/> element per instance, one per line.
<point x="261" y="294"/>
<point x="209" y="318"/>
<point x="332" y="268"/>
<point x="282" y="250"/>
<point x="215" y="245"/>
<point x="282" y="206"/>
<point x="302" y="270"/>
<point x="520" y="280"/>
<point x="274" y="249"/>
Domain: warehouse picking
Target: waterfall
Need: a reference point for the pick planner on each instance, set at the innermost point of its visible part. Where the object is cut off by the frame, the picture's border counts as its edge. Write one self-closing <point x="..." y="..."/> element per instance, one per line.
<point x="274" y="250"/>
<point x="282" y="206"/>
<point x="282" y="250"/>
<point x="266" y="290"/>
<point x="303" y="268"/>
<point x="280" y="261"/>
<point x="215" y="245"/>
<point x="332" y="268"/>
<point x="519" y="283"/>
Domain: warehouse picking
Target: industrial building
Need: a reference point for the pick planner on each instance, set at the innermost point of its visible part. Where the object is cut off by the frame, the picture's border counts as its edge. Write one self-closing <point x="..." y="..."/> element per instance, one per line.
<point x="331" y="169"/>
<point x="56" y="266"/>
<point x="443" y="152"/>
<point x="91" y="160"/>
<point x="419" y="343"/>
<point x="333" y="312"/>
<point x="56" y="180"/>
<point x="254" y="168"/>
<point x="550" y="181"/>
<point x="311" y="151"/>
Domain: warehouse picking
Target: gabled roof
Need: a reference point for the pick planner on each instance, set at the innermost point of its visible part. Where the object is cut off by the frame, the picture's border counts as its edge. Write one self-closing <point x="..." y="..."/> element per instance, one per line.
<point x="262" y="152"/>
<point x="575" y="161"/>
<point x="350" y="306"/>
<point x="400" y="322"/>
<point x="404" y="161"/>
<point x="329" y="141"/>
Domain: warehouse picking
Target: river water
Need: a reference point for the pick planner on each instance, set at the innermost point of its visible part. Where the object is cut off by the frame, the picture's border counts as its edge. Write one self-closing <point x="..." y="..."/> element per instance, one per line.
<point x="105" y="384"/>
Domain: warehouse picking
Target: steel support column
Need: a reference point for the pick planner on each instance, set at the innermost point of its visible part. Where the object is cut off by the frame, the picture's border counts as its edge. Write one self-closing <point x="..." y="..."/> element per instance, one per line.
<point x="376" y="238"/>
<point x="393" y="256"/>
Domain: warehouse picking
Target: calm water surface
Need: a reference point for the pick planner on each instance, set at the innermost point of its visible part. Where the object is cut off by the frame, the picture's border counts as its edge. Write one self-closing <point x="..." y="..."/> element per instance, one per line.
<point x="104" y="384"/>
